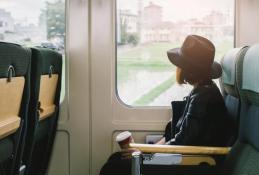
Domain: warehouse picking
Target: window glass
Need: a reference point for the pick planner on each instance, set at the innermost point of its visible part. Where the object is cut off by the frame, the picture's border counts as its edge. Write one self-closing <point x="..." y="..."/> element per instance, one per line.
<point x="147" y="29"/>
<point x="34" y="23"/>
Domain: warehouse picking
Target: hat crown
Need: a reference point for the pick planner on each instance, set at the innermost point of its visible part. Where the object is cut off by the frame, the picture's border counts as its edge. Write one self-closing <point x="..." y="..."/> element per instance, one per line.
<point x="196" y="56"/>
<point x="198" y="51"/>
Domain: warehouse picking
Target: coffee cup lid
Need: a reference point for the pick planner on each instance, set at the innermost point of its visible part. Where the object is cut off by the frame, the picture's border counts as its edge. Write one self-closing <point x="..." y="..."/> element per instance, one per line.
<point x="122" y="136"/>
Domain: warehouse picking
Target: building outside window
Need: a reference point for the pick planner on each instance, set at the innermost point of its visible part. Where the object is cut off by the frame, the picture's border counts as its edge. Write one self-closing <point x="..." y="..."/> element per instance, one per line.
<point x="147" y="29"/>
<point x="34" y="23"/>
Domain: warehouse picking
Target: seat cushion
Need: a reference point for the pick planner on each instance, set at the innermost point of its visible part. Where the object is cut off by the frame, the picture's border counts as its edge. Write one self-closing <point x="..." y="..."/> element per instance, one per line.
<point x="43" y="129"/>
<point x="6" y="149"/>
<point x="243" y="160"/>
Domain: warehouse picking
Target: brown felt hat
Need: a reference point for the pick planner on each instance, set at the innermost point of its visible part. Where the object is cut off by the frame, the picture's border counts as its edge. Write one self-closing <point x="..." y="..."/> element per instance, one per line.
<point x="196" y="55"/>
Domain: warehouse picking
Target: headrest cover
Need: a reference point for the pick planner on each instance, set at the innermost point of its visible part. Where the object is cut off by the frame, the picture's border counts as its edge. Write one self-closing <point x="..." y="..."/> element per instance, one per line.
<point x="251" y="70"/>
<point x="228" y="66"/>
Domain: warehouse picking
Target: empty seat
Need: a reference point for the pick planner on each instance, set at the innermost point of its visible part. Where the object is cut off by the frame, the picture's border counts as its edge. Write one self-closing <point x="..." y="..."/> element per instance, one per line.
<point x="244" y="157"/>
<point x="46" y="67"/>
<point x="229" y="88"/>
<point x="14" y="100"/>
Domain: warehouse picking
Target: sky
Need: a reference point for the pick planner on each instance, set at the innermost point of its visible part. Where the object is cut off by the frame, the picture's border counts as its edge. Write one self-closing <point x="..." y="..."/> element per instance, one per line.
<point x="175" y="10"/>
<point x="24" y="10"/>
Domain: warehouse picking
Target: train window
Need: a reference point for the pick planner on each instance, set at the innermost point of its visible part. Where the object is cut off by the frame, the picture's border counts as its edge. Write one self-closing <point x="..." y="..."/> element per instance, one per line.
<point x="146" y="30"/>
<point x="34" y="23"/>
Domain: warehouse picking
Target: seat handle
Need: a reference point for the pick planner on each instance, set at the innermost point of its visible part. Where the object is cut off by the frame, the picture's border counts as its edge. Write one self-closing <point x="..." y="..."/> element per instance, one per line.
<point x="10" y="73"/>
<point x="51" y="70"/>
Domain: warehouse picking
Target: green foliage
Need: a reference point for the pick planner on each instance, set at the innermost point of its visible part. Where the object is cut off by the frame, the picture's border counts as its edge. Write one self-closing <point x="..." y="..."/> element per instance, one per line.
<point x="54" y="15"/>
<point x="154" y="93"/>
<point x="123" y="26"/>
<point x="27" y="39"/>
<point x="150" y="51"/>
<point x="133" y="60"/>
<point x="133" y="39"/>
<point x="128" y="38"/>
<point x="1" y="36"/>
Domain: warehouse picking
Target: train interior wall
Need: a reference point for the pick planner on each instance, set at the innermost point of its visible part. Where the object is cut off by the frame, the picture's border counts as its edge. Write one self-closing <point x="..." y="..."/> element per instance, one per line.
<point x="91" y="113"/>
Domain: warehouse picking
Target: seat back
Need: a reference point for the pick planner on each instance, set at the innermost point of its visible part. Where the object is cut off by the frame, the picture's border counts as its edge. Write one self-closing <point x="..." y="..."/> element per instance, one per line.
<point x="244" y="156"/>
<point x="14" y="100"/>
<point x="229" y="89"/>
<point x="44" y="108"/>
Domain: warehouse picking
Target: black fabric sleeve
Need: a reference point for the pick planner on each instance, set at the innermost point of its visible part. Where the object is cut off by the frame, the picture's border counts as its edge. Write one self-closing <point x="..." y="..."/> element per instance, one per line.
<point x="177" y="112"/>
<point x="167" y="133"/>
<point x="191" y="127"/>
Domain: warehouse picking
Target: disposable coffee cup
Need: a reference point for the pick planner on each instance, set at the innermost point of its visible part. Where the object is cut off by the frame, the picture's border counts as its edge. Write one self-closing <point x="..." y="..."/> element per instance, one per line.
<point x="124" y="139"/>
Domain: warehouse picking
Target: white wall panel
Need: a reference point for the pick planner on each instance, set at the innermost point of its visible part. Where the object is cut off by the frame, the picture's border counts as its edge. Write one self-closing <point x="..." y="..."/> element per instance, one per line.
<point x="108" y="113"/>
<point x="247" y="22"/>
<point x="75" y="109"/>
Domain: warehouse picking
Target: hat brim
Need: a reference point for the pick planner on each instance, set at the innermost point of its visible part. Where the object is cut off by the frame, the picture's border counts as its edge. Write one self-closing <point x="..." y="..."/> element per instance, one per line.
<point x="175" y="56"/>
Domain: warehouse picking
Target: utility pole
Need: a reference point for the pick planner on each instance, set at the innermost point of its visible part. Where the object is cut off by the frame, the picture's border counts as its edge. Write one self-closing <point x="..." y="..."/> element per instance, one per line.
<point x="140" y="19"/>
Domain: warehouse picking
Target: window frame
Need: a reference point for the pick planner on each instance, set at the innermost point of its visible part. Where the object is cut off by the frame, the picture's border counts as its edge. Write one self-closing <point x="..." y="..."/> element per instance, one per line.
<point x="116" y="56"/>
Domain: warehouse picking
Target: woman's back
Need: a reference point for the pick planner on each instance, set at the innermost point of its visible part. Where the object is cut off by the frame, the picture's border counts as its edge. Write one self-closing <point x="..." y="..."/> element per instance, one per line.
<point x="203" y="119"/>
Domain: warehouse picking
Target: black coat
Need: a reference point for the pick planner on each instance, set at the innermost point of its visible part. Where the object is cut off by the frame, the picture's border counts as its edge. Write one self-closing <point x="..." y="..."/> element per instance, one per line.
<point x="204" y="119"/>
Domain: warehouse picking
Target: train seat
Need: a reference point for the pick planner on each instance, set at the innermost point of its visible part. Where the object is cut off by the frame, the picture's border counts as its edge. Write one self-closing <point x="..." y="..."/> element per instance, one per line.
<point x="46" y="67"/>
<point x="244" y="156"/>
<point x="14" y="101"/>
<point x="229" y="89"/>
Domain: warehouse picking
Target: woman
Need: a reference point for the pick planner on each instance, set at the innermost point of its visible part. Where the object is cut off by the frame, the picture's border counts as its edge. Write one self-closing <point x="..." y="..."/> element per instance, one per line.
<point x="201" y="122"/>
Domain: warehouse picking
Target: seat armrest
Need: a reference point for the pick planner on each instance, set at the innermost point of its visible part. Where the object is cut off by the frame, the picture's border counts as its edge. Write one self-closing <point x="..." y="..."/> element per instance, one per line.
<point x="181" y="156"/>
<point x="177" y="159"/>
<point x="175" y="149"/>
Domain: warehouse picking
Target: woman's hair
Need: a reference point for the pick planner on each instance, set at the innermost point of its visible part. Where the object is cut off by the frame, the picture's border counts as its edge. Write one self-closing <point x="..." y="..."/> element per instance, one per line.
<point x="179" y="76"/>
<point x="191" y="78"/>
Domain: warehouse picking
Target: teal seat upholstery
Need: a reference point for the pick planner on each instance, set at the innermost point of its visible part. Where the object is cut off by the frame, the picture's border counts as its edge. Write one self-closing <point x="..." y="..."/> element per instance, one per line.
<point x="244" y="157"/>
<point x="41" y="132"/>
<point x="229" y="89"/>
<point x="14" y="64"/>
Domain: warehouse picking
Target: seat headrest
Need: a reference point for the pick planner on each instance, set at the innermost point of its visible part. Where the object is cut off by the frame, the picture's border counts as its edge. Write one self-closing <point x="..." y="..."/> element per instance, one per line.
<point x="47" y="58"/>
<point x="229" y="70"/>
<point x="13" y="55"/>
<point x="249" y="84"/>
